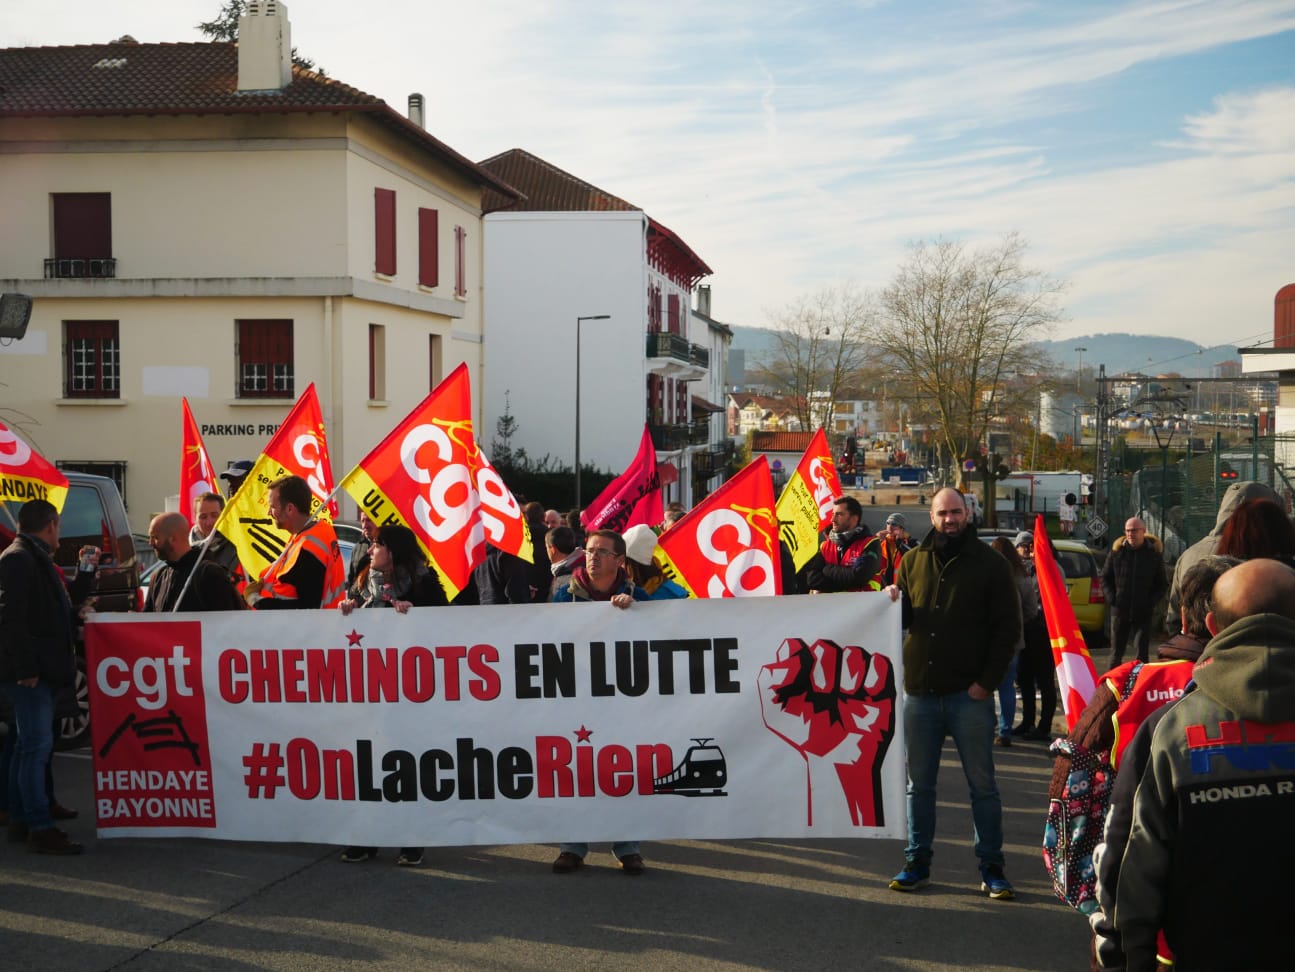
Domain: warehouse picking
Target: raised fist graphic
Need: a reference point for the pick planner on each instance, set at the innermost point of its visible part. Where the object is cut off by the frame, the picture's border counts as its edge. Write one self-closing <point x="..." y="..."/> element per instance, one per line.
<point x="836" y="706"/>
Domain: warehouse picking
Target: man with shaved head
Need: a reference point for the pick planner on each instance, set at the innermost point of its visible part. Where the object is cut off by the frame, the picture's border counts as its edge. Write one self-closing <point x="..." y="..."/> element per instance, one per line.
<point x="1204" y="854"/>
<point x="1132" y="582"/>
<point x="963" y="617"/>
<point x="211" y="590"/>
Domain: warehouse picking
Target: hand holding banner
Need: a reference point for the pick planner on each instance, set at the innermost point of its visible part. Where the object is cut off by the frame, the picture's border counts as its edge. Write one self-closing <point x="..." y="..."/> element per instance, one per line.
<point x="299" y="448"/>
<point x="26" y="475"/>
<point x="727" y="546"/>
<point x="805" y="506"/>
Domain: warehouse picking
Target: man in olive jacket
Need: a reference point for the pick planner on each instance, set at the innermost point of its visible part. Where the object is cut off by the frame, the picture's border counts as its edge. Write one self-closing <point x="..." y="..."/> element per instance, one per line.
<point x="963" y="617"/>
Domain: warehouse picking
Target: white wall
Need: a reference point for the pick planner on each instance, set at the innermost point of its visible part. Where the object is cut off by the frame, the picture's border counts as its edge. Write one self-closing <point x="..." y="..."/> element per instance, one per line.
<point x="543" y="270"/>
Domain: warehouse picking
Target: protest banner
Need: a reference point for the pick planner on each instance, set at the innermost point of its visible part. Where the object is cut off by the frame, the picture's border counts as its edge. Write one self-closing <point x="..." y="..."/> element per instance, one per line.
<point x="777" y="717"/>
<point x="805" y="507"/>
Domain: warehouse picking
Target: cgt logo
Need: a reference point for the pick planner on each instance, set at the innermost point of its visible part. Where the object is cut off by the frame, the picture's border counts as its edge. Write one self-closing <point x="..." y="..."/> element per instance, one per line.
<point x="154" y="679"/>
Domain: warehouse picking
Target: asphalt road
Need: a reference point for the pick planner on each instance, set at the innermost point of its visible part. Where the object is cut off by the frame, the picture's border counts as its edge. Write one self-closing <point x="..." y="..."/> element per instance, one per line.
<point x="169" y="904"/>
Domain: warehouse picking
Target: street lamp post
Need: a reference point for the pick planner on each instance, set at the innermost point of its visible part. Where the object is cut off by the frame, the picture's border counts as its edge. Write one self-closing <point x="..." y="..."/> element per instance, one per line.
<point x="579" y="321"/>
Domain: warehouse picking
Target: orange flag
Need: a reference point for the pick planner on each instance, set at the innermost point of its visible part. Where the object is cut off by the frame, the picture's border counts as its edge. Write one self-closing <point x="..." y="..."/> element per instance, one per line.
<point x="26" y="475"/>
<point x="1076" y="676"/>
<point x="805" y="507"/>
<point x="727" y="546"/>
<point x="196" y="475"/>
<point x="298" y="448"/>
<point x="429" y="475"/>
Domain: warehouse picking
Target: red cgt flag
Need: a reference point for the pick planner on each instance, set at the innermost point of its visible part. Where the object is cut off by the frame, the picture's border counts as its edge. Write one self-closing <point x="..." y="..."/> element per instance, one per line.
<point x="1076" y="676"/>
<point x="727" y="546"/>
<point x="429" y="475"/>
<point x="26" y="475"/>
<point x="196" y="474"/>
<point x="631" y="498"/>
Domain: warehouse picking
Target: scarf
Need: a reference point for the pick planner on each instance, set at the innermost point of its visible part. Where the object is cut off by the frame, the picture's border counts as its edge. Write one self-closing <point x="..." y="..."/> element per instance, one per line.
<point x="582" y="585"/>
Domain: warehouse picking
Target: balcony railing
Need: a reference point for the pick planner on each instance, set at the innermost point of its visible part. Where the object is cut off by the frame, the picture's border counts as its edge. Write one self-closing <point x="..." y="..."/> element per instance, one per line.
<point x="663" y="344"/>
<point x="669" y="438"/>
<point x="79" y="267"/>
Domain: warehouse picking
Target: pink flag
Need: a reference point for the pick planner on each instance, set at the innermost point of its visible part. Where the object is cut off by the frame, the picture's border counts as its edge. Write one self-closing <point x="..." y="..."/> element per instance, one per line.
<point x="633" y="497"/>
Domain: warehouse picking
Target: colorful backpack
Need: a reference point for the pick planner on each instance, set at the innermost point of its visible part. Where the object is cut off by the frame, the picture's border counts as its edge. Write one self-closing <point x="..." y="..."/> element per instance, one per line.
<point x="1077" y="819"/>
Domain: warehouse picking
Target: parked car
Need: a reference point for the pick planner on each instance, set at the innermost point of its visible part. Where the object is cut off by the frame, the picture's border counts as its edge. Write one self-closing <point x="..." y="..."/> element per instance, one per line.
<point x="1083" y="583"/>
<point x="93" y="515"/>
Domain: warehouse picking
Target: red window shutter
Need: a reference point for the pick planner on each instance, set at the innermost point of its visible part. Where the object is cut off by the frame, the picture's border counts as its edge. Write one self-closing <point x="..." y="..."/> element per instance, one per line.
<point x="674" y="313"/>
<point x="82" y="225"/>
<point x="384" y="231"/>
<point x="429" y="253"/>
<point x="373" y="358"/>
<point x="266" y="347"/>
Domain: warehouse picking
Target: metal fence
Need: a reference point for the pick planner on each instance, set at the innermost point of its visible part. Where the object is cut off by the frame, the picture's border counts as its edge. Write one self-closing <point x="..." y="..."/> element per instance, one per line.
<point x="1177" y="495"/>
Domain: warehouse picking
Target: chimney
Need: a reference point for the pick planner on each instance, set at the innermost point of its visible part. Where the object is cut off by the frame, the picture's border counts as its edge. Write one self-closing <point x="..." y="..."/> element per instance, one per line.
<point x="703" y="299"/>
<point x="264" y="47"/>
<point x="416" y="109"/>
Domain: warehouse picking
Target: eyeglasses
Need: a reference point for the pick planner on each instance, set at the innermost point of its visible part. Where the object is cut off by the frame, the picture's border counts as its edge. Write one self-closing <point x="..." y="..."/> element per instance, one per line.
<point x="597" y="552"/>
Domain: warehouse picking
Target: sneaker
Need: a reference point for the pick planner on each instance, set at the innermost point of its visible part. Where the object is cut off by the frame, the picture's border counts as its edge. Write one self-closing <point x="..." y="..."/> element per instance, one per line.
<point x="51" y="840"/>
<point x="354" y="855"/>
<point x="994" y="883"/>
<point x="566" y="863"/>
<point x="913" y="877"/>
<point x="410" y="857"/>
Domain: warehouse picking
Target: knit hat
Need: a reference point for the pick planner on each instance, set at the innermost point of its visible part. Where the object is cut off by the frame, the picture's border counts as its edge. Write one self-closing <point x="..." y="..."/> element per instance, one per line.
<point x="1023" y="538"/>
<point x="640" y="541"/>
<point x="897" y="519"/>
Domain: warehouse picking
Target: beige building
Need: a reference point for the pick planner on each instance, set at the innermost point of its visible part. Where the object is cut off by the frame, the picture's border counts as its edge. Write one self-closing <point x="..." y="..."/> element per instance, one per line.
<point x="206" y="220"/>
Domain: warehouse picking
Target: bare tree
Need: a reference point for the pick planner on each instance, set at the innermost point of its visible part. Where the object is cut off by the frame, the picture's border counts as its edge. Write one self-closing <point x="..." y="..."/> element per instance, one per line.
<point x="822" y="342"/>
<point x="956" y="324"/>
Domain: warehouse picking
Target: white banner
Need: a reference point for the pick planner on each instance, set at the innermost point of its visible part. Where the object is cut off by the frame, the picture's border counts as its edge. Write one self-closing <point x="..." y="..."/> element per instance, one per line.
<point x="759" y="717"/>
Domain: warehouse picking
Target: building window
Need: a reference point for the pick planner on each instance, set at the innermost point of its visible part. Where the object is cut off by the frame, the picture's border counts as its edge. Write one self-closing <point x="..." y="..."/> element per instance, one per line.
<point x="93" y="356"/>
<point x="429" y="253"/>
<point x="673" y="306"/>
<point x="460" y="262"/>
<point x="265" y="359"/>
<point x="377" y="362"/>
<point x="82" y="235"/>
<point x="435" y="368"/>
<point x="654" y="308"/>
<point x="384" y="231"/>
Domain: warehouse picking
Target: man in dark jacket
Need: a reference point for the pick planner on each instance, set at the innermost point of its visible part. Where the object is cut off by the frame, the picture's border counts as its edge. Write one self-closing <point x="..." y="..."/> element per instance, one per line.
<point x="1132" y="582"/>
<point x="210" y="589"/>
<point x="848" y="558"/>
<point x="963" y="617"/>
<point x="1212" y="782"/>
<point x="37" y="658"/>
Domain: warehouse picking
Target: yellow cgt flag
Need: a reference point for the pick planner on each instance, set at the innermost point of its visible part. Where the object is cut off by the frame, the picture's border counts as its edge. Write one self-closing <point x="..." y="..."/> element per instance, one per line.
<point x="805" y="507"/>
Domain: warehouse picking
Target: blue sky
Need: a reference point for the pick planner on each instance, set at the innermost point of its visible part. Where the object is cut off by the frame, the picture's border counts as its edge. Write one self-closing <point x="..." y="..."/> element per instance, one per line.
<point x="1146" y="150"/>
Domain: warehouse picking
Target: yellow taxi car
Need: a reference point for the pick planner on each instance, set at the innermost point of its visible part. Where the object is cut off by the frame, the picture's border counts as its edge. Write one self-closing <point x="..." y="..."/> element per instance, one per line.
<point x="1083" y="583"/>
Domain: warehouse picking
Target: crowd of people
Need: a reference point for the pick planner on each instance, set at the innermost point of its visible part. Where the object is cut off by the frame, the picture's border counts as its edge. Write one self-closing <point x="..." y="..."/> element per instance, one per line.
<point x="1197" y="740"/>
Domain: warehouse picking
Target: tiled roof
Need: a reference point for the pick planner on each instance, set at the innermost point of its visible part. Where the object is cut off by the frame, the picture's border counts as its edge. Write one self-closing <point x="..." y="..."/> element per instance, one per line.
<point x="780" y="441"/>
<point x="548" y="189"/>
<point x="184" y="79"/>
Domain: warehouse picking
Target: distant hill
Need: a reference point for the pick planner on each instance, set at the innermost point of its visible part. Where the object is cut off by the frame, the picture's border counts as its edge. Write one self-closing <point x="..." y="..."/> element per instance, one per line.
<point x="1119" y="352"/>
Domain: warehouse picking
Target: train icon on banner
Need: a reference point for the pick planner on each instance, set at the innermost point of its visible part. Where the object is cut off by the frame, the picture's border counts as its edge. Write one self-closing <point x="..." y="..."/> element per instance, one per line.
<point x="702" y="772"/>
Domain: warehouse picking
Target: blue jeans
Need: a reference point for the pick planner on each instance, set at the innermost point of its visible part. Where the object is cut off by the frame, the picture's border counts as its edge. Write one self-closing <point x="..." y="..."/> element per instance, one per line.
<point x="620" y="849"/>
<point x="34" y="718"/>
<point x="1007" y="699"/>
<point x="928" y="719"/>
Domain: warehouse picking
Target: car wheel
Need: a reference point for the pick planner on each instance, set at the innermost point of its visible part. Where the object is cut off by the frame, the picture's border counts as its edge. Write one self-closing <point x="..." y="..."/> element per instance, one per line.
<point x="72" y="729"/>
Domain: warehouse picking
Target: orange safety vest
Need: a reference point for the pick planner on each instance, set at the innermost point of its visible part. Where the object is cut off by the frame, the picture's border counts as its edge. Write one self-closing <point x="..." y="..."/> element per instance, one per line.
<point x="851" y="555"/>
<point x="1157" y="684"/>
<point x="317" y="540"/>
